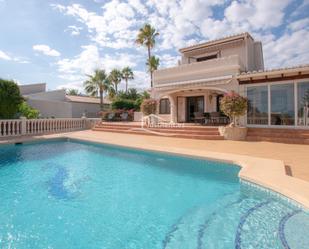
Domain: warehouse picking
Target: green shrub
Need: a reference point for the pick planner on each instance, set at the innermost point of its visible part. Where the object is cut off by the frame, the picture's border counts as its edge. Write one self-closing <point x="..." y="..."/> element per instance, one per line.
<point x="10" y="99"/>
<point x="149" y="106"/>
<point x="233" y="105"/>
<point x="123" y="104"/>
<point x="27" y="111"/>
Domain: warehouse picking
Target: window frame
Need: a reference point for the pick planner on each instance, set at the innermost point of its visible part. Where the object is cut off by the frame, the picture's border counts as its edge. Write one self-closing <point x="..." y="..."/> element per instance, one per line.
<point x="269" y="84"/>
<point x="167" y="106"/>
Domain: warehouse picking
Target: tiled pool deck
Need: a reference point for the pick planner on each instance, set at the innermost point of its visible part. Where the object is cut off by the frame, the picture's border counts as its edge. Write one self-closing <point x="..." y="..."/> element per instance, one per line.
<point x="262" y="162"/>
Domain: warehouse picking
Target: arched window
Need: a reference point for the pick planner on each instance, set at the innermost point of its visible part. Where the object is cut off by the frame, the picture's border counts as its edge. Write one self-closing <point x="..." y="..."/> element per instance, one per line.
<point x="164" y="106"/>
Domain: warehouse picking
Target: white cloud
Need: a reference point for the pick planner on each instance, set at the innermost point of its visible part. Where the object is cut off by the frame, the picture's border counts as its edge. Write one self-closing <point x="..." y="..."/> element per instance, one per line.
<point x="168" y="60"/>
<point x="288" y="50"/>
<point x="262" y="14"/>
<point x="141" y="81"/>
<point x="113" y="28"/>
<point x="45" y="49"/>
<point x="74" y="30"/>
<point x="7" y="57"/>
<point x="299" y="24"/>
<point x="74" y="70"/>
<point x="4" y="56"/>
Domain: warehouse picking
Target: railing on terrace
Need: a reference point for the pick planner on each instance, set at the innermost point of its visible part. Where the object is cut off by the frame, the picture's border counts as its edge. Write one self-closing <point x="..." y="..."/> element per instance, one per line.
<point x="198" y="70"/>
<point x="23" y="126"/>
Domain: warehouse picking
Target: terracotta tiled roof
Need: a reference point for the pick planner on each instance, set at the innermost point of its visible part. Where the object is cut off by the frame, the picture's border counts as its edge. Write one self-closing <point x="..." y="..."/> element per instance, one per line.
<point x="275" y="70"/>
<point x="213" y="42"/>
<point x="85" y="99"/>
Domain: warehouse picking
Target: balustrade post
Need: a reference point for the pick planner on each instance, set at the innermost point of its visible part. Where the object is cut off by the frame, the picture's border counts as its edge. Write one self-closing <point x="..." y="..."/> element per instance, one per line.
<point x="23" y="125"/>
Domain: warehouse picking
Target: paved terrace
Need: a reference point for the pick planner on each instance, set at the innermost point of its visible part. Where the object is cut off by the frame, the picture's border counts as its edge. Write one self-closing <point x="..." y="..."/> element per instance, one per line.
<point x="295" y="156"/>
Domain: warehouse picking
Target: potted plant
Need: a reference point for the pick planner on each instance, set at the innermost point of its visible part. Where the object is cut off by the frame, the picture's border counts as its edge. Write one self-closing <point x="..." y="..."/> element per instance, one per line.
<point x="149" y="109"/>
<point x="234" y="106"/>
<point x="149" y="106"/>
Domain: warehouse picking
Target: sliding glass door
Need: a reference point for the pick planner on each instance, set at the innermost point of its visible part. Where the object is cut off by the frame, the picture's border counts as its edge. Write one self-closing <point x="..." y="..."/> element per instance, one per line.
<point x="282" y="104"/>
<point x="303" y="104"/>
<point x="257" y="105"/>
<point x="277" y="104"/>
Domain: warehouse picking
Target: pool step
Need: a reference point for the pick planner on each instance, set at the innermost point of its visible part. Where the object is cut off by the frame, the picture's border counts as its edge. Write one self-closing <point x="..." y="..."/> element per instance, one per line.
<point x="186" y="231"/>
<point x="239" y="223"/>
<point x="192" y="132"/>
<point x="290" y="136"/>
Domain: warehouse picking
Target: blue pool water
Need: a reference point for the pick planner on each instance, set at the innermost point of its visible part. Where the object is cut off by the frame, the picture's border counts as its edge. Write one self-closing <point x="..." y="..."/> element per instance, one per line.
<point x="66" y="194"/>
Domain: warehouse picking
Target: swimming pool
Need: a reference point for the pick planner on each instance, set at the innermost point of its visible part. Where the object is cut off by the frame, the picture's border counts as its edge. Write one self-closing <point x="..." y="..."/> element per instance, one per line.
<point x="69" y="194"/>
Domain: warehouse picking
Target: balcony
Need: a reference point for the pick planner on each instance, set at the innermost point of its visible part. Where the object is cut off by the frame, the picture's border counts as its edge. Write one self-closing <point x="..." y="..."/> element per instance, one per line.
<point x="198" y="71"/>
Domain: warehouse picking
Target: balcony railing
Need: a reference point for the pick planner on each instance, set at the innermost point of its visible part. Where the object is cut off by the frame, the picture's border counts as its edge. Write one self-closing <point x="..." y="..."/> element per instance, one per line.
<point x="198" y="71"/>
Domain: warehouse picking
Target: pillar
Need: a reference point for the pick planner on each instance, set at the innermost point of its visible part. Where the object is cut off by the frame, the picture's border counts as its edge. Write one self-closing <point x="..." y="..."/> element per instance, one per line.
<point x="173" y="105"/>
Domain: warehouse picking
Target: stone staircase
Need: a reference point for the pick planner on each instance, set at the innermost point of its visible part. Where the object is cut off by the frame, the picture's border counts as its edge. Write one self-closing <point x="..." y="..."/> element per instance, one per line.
<point x="187" y="131"/>
<point x="290" y="136"/>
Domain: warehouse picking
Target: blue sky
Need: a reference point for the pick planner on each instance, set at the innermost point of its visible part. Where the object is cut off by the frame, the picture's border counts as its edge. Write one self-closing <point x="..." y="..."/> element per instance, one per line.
<point x="58" y="41"/>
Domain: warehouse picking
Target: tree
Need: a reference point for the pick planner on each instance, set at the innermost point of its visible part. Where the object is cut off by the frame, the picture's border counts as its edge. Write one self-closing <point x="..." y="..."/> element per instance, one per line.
<point x="127" y="74"/>
<point x="152" y="65"/>
<point x="142" y="96"/>
<point x="147" y="37"/>
<point x="72" y="91"/>
<point x="115" y="77"/>
<point x="10" y="99"/>
<point x="98" y="83"/>
<point x="27" y="111"/>
<point x="233" y="105"/>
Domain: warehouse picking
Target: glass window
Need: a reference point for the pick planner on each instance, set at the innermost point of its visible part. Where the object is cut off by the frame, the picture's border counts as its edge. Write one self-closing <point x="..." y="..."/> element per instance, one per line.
<point x="165" y="106"/>
<point x="257" y="105"/>
<point x="303" y="103"/>
<point x="282" y="104"/>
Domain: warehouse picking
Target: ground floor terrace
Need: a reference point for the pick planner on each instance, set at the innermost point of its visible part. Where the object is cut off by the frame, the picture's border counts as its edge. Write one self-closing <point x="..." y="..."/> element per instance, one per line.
<point x="276" y="99"/>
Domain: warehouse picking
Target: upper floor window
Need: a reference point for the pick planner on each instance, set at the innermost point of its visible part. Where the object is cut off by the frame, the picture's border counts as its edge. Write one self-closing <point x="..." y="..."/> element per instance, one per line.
<point x="206" y="58"/>
<point x="165" y="106"/>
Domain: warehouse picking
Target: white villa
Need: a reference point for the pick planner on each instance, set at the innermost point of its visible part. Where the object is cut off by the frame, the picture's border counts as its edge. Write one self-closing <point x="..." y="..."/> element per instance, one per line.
<point x="59" y="105"/>
<point x="193" y="88"/>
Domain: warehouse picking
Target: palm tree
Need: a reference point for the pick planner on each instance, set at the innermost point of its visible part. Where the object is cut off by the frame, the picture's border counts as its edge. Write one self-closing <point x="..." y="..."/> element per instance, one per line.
<point x="115" y="77"/>
<point x="72" y="91"/>
<point x="127" y="74"/>
<point x="97" y="83"/>
<point x="152" y="64"/>
<point x="147" y="37"/>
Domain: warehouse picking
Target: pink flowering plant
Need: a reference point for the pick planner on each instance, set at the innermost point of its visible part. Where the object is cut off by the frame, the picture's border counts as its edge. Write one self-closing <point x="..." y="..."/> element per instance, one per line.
<point x="149" y="106"/>
<point x="233" y="105"/>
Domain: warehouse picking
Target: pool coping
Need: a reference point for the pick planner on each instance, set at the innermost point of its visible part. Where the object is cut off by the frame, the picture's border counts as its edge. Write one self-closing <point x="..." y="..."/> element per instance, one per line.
<point x="264" y="172"/>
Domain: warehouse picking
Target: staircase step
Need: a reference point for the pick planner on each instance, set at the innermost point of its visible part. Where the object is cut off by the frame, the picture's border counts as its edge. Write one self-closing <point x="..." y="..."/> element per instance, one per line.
<point x="153" y="133"/>
<point x="163" y="130"/>
<point x="185" y="127"/>
<point x="278" y="139"/>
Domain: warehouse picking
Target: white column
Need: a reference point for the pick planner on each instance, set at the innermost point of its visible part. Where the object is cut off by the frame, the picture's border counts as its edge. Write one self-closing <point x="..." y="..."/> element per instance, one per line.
<point x="173" y="104"/>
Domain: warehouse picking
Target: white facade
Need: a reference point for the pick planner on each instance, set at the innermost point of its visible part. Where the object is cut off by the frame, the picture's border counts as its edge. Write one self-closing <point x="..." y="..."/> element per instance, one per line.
<point x="59" y="105"/>
<point x="234" y="63"/>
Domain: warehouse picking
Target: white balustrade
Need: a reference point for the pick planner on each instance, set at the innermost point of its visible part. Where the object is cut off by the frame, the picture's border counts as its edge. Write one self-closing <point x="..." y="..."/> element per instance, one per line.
<point x="23" y="126"/>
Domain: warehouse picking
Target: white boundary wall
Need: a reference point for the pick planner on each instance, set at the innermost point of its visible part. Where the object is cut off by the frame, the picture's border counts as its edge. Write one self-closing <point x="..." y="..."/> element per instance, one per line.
<point x="23" y="126"/>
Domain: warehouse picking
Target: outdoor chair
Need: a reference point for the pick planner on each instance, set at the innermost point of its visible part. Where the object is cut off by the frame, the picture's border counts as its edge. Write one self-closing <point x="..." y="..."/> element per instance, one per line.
<point x="110" y="116"/>
<point x="198" y="117"/>
<point x="124" y="116"/>
<point x="216" y="118"/>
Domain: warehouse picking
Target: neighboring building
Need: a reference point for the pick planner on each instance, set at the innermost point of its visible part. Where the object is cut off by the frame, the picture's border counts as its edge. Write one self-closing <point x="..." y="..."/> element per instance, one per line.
<point x="59" y="105"/>
<point x="208" y="70"/>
